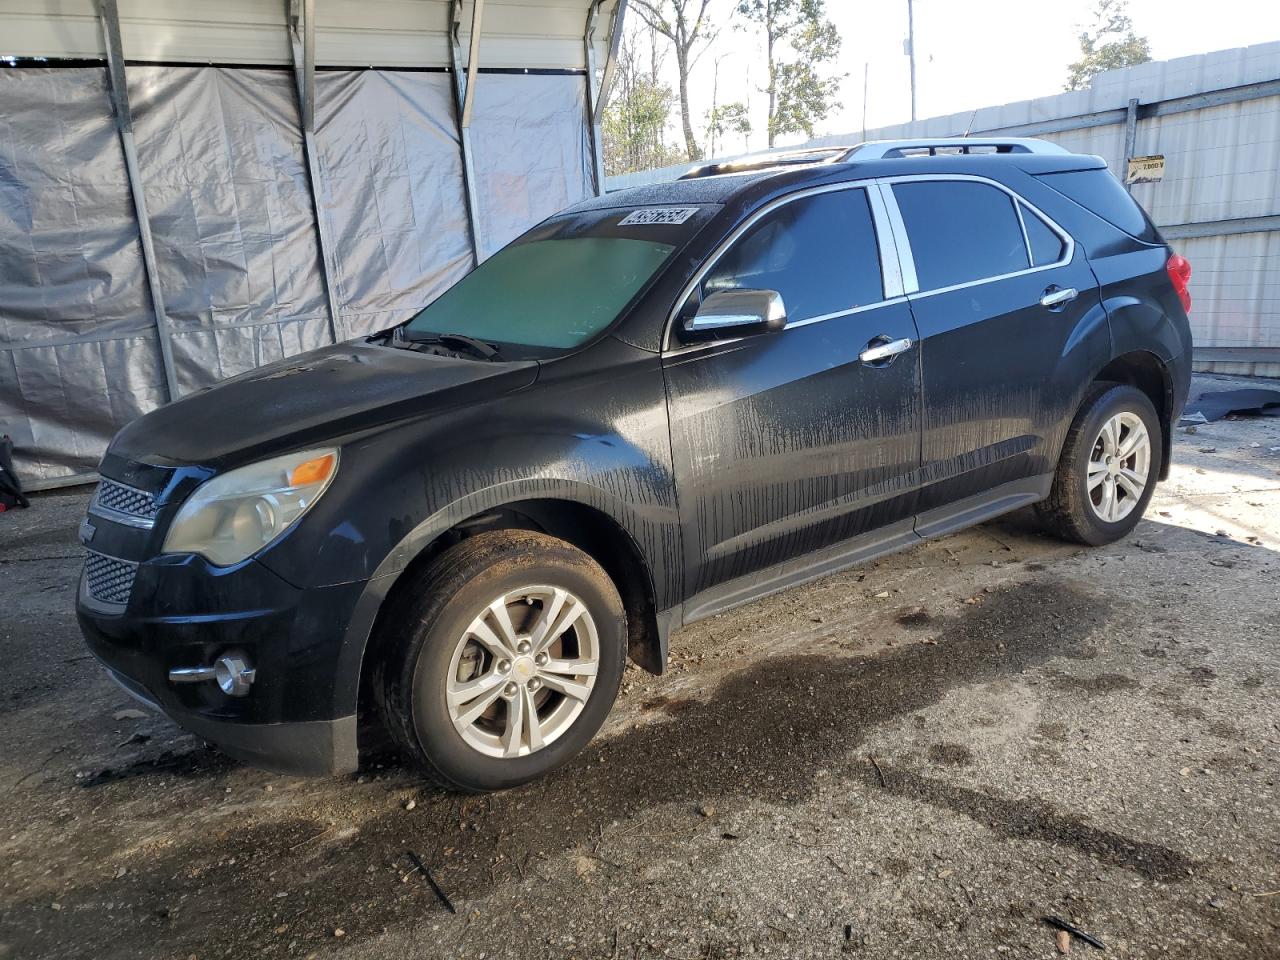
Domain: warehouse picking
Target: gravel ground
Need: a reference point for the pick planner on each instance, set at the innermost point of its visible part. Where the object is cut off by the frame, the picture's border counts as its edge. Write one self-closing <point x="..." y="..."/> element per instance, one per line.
<point x="919" y="758"/>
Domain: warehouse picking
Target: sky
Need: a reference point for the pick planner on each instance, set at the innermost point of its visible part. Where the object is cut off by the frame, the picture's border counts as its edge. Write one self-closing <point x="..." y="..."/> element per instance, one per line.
<point x="968" y="54"/>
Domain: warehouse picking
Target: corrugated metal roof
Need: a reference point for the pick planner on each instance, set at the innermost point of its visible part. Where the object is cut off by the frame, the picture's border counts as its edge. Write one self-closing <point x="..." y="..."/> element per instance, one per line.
<point x="538" y="34"/>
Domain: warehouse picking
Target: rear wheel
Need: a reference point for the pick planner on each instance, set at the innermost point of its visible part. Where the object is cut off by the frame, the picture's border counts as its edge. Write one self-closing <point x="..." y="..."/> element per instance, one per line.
<point x="504" y="661"/>
<point x="1108" y="469"/>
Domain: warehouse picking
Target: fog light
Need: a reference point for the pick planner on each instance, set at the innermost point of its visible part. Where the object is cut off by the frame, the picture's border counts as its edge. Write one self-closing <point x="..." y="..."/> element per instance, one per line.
<point x="231" y="671"/>
<point x="234" y="675"/>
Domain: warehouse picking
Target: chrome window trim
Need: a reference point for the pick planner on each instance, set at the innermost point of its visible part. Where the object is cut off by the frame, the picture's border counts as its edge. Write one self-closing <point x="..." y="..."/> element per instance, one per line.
<point x="1026" y="240"/>
<point x="904" y="243"/>
<point x="886" y="241"/>
<point x="907" y="261"/>
<point x="883" y="239"/>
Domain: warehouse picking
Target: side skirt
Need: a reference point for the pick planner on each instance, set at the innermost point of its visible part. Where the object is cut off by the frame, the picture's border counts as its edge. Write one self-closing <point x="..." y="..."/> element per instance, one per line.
<point x="861" y="549"/>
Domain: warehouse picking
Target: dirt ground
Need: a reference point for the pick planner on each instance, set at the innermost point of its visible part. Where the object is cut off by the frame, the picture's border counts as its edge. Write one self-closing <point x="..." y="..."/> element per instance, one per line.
<point x="920" y="758"/>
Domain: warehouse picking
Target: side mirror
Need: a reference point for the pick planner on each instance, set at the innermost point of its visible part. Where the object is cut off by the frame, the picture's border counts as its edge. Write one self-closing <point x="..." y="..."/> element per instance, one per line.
<point x="741" y="311"/>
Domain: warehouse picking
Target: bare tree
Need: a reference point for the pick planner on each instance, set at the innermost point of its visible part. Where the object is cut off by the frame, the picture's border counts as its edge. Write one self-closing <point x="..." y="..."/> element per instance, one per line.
<point x="685" y="24"/>
<point x="639" y="108"/>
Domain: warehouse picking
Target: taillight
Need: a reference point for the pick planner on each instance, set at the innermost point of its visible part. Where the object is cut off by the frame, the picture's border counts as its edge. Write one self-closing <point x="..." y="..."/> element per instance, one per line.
<point x="1180" y="274"/>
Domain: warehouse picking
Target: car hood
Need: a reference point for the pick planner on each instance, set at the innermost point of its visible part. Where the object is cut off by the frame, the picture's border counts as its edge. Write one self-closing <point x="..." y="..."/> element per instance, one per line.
<point x="311" y="398"/>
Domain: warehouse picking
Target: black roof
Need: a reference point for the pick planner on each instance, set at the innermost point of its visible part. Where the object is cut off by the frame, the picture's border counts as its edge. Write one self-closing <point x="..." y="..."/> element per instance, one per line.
<point x="701" y="190"/>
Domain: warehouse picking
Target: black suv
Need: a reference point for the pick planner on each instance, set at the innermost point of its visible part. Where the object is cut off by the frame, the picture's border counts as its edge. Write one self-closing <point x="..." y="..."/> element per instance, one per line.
<point x="652" y="407"/>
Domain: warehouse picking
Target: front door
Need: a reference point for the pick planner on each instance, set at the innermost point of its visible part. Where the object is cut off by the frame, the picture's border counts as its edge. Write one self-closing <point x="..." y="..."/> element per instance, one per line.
<point x="786" y="443"/>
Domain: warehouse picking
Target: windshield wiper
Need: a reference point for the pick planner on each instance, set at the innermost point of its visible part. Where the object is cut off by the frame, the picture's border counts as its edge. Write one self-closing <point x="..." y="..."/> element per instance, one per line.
<point x="453" y="342"/>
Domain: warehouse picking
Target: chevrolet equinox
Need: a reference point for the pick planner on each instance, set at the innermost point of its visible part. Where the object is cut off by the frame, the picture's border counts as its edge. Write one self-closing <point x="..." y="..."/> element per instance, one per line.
<point x="652" y="407"/>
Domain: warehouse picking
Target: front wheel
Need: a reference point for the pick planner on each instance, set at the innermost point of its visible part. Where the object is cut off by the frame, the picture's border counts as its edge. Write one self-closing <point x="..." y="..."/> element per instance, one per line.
<point x="1108" y="469"/>
<point x="503" y="660"/>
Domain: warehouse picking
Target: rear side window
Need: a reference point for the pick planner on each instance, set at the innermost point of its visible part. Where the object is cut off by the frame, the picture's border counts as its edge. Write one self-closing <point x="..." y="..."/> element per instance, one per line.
<point x="819" y="252"/>
<point x="960" y="231"/>
<point x="1100" y="192"/>
<point x="1046" y="246"/>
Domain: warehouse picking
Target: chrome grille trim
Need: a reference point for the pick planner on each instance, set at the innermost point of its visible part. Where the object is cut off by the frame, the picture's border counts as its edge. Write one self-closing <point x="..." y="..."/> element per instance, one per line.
<point x="107" y="579"/>
<point x="124" y="504"/>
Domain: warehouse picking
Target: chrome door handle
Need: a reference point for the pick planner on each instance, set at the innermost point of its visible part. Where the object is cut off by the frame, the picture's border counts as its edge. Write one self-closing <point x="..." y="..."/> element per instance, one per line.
<point x="882" y="348"/>
<point x="1058" y="296"/>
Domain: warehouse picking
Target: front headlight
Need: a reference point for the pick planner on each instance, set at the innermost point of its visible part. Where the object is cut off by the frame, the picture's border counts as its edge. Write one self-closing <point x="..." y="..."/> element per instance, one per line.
<point x="233" y="516"/>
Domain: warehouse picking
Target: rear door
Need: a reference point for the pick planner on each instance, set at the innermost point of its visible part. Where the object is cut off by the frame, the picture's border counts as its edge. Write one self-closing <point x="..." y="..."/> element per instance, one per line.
<point x="1010" y="326"/>
<point x="787" y="443"/>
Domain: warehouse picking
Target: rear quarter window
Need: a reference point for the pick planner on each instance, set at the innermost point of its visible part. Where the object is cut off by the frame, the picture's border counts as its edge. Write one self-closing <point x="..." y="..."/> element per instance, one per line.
<point x="960" y="231"/>
<point x="1101" y="193"/>
<point x="1046" y="246"/>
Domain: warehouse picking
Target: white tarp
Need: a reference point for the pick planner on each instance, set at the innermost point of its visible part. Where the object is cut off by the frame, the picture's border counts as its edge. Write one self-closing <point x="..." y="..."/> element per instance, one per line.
<point x="224" y="175"/>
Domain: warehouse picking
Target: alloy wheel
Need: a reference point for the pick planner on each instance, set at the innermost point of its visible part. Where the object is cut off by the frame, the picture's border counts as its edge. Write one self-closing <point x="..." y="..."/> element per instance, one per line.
<point x="523" y="670"/>
<point x="1119" y="467"/>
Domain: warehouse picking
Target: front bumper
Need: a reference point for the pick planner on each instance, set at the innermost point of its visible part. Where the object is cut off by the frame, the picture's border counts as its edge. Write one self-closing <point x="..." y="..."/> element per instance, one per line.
<point x="307" y="748"/>
<point x="300" y="714"/>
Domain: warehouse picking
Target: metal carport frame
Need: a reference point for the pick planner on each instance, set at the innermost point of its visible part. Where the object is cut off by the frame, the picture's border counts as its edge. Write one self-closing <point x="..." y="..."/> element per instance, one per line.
<point x="221" y="252"/>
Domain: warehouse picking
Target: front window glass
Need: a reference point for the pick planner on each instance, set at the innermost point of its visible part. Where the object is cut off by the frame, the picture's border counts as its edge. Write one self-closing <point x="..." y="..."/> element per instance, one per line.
<point x="559" y="285"/>
<point x="819" y="252"/>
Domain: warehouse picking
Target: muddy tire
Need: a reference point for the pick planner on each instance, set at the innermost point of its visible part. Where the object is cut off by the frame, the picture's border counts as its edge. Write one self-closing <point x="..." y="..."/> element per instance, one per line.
<point x="501" y="661"/>
<point x="1107" y="473"/>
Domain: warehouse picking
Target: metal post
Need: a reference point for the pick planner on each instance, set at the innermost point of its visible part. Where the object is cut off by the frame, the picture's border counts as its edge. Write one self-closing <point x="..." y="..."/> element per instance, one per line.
<point x="302" y="43"/>
<point x="594" y="101"/>
<point x="611" y="60"/>
<point x="109" y="17"/>
<point x="1130" y="141"/>
<point x="463" y="97"/>
<point x="911" y="52"/>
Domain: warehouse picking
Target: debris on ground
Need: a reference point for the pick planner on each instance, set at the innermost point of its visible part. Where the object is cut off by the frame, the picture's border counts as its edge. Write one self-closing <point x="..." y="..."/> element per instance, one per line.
<point x="1074" y="931"/>
<point x="1253" y="402"/>
<point x="166" y="762"/>
<point x="422" y="868"/>
<point x="129" y="714"/>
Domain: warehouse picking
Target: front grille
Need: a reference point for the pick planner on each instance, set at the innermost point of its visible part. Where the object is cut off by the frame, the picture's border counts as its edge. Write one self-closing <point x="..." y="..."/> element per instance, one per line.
<point x="129" y="501"/>
<point x="107" y="579"/>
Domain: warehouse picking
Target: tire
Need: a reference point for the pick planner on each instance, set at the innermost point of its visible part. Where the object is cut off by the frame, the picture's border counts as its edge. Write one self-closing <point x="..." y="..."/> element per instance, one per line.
<point x="442" y="633"/>
<point x="1074" y="511"/>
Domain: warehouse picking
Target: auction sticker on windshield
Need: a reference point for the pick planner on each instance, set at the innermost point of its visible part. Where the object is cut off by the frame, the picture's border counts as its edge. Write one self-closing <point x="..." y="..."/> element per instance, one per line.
<point x="663" y="215"/>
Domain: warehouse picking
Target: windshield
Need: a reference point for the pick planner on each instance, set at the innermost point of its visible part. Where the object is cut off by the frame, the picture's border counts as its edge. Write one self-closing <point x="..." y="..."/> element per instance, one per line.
<point x="560" y="284"/>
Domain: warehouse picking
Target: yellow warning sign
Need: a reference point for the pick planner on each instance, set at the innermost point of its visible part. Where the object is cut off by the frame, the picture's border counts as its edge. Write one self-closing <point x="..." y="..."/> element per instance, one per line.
<point x="1146" y="170"/>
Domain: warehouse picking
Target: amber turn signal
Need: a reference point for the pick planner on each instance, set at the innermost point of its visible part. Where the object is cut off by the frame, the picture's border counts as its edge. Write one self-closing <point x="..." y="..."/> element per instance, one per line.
<point x="316" y="470"/>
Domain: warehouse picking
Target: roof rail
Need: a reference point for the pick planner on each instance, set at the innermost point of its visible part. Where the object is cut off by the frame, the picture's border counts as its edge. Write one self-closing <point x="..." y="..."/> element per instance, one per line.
<point x="768" y="161"/>
<point x="877" y="150"/>
<point x="890" y="149"/>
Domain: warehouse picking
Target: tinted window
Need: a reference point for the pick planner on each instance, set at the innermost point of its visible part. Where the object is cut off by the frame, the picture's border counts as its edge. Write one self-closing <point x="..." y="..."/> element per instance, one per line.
<point x="1046" y="246"/>
<point x="960" y="231"/>
<point x="562" y="283"/>
<point x="1099" y="191"/>
<point x="819" y="252"/>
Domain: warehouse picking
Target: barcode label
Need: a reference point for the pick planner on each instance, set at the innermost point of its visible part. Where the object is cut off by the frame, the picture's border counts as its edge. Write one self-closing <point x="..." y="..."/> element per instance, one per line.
<point x="663" y="215"/>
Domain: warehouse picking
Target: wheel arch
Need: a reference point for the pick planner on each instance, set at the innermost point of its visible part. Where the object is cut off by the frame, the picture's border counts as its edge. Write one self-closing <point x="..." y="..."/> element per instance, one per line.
<point x="1145" y="371"/>
<point x="588" y="526"/>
